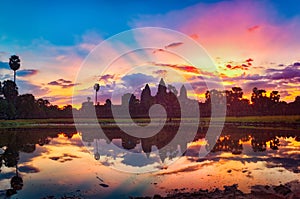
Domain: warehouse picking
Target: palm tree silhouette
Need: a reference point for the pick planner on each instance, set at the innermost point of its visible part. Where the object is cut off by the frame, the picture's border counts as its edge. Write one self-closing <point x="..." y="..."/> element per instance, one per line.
<point x="14" y="64"/>
<point x="97" y="154"/>
<point x="96" y="88"/>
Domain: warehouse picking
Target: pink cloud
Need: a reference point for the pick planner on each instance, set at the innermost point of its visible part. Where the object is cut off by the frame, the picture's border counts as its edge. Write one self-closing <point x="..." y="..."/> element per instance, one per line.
<point x="231" y="29"/>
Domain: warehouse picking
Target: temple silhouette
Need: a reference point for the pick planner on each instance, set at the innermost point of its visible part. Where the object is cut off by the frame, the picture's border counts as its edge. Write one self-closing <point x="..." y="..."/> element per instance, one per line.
<point x="139" y="108"/>
<point x="178" y="105"/>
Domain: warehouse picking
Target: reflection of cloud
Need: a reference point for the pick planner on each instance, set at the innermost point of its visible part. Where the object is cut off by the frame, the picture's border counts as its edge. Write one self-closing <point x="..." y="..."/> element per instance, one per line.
<point x="62" y="83"/>
<point x="29" y="169"/>
<point x="182" y="170"/>
<point x="64" y="158"/>
<point x="137" y="160"/>
<point x="287" y="156"/>
<point x="7" y="175"/>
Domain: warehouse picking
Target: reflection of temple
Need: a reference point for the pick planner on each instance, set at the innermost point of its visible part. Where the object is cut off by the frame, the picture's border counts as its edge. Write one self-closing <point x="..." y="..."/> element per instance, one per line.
<point x="161" y="141"/>
<point x="165" y="96"/>
<point x="231" y="140"/>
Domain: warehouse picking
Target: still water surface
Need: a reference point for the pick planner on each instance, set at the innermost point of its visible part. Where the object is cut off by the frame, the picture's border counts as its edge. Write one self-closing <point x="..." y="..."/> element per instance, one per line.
<point x="53" y="162"/>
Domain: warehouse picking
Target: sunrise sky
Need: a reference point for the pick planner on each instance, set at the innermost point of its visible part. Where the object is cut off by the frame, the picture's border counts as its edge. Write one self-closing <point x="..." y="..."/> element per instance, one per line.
<point x="252" y="44"/>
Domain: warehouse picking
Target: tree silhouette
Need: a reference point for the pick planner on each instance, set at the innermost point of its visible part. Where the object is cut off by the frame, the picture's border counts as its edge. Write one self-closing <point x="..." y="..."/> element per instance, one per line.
<point x="14" y="64"/>
<point x="10" y="92"/>
<point x="96" y="88"/>
<point x="274" y="96"/>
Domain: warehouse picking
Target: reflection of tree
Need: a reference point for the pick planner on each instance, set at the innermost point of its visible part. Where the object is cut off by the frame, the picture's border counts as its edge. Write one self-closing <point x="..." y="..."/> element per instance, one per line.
<point x="16" y="184"/>
<point x="11" y="157"/>
<point x="96" y="153"/>
<point x="274" y="143"/>
<point x="258" y="144"/>
<point x="228" y="144"/>
<point x="13" y="142"/>
<point x="232" y="139"/>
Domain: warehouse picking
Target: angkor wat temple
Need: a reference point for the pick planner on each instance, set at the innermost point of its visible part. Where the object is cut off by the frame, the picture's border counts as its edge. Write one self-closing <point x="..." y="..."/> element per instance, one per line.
<point x="174" y="105"/>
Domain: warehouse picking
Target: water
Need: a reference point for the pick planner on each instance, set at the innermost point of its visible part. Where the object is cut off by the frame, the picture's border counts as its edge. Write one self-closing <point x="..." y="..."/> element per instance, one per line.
<point x="54" y="162"/>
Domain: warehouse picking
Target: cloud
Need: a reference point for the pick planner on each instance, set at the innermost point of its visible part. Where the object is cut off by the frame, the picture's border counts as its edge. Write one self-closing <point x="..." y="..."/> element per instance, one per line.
<point x="158" y="50"/>
<point x="27" y="72"/>
<point x="249" y="60"/>
<point x="29" y="169"/>
<point x="194" y="36"/>
<point x="27" y="87"/>
<point x="4" y="65"/>
<point x="60" y="99"/>
<point x="160" y="73"/>
<point x="185" y="68"/>
<point x="5" y="77"/>
<point x="239" y="66"/>
<point x="287" y="73"/>
<point x="106" y="78"/>
<point x="186" y="169"/>
<point x="253" y="28"/>
<point x="245" y="77"/>
<point x="242" y="67"/>
<point x="201" y="85"/>
<point x="137" y="80"/>
<point x="62" y="83"/>
<point x="284" y="94"/>
<point x="260" y="27"/>
<point x="248" y="86"/>
<point x="172" y="45"/>
<point x="3" y="54"/>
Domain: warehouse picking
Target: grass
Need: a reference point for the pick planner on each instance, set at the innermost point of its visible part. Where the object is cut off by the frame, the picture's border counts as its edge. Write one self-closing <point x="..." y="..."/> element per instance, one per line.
<point x="67" y="122"/>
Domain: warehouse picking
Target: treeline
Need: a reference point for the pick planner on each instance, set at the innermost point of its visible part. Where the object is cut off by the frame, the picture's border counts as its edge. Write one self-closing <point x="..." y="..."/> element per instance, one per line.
<point x="260" y="103"/>
<point x="15" y="106"/>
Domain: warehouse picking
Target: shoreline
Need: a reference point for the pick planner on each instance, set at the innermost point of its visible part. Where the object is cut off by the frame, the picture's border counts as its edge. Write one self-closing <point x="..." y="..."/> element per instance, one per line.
<point x="290" y="121"/>
<point x="287" y="190"/>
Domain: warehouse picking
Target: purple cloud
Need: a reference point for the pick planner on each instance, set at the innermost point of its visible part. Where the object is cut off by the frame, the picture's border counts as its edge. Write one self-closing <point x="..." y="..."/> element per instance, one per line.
<point x="137" y="80"/>
<point x="27" y="87"/>
<point x="62" y="83"/>
<point x="289" y="72"/>
<point x="106" y="78"/>
<point x="161" y="73"/>
<point x="248" y="86"/>
<point x="172" y="45"/>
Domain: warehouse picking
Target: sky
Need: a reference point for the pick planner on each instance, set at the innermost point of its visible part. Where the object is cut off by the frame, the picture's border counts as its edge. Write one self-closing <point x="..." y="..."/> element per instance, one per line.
<point x="251" y="43"/>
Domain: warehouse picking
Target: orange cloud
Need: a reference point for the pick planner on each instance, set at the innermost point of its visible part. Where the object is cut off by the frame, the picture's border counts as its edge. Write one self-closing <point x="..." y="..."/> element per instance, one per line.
<point x="185" y="68"/>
